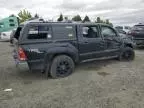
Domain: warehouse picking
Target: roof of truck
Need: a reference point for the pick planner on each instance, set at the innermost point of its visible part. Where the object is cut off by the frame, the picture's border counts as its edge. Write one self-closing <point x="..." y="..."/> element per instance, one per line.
<point x="66" y="23"/>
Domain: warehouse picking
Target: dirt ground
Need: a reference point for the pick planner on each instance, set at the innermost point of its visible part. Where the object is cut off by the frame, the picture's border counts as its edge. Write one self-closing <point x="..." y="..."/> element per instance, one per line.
<point x="99" y="84"/>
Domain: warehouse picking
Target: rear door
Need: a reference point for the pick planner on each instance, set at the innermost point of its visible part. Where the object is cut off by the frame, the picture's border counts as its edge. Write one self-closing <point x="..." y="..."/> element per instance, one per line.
<point x="91" y="44"/>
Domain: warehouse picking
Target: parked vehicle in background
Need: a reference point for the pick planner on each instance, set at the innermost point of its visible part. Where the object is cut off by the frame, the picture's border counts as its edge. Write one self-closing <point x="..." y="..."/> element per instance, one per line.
<point x="121" y="31"/>
<point x="5" y="36"/>
<point x="124" y="35"/>
<point x="126" y="29"/>
<point x="137" y="32"/>
<point x="12" y="36"/>
<point x="55" y="48"/>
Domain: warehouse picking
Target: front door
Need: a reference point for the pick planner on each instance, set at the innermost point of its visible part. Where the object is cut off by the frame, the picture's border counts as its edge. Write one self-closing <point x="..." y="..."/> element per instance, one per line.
<point x="112" y="40"/>
<point x="91" y="45"/>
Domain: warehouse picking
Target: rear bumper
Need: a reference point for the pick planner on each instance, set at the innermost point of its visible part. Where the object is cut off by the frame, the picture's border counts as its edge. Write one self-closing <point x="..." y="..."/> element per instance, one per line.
<point x="21" y="65"/>
<point x="24" y="65"/>
<point x="31" y="65"/>
<point x="36" y="65"/>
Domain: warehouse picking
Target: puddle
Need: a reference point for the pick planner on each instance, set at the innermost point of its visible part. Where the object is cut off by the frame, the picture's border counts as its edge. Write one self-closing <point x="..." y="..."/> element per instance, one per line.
<point x="103" y="73"/>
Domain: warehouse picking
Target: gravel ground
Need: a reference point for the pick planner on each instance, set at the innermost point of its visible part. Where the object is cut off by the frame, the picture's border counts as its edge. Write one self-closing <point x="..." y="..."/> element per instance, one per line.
<point x="99" y="84"/>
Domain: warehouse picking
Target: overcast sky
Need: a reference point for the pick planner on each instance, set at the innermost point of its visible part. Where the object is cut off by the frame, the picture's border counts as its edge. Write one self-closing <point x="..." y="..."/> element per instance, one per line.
<point x="118" y="11"/>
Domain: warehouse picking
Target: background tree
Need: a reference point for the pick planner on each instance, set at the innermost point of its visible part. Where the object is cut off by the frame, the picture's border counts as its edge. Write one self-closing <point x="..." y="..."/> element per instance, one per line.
<point x="111" y="24"/>
<point x="60" y="18"/>
<point x="77" y="18"/>
<point x="12" y="15"/>
<point x="36" y="16"/>
<point x="98" y="20"/>
<point x="24" y="15"/>
<point x="107" y="21"/>
<point x="102" y="21"/>
<point x="86" y="19"/>
<point x="66" y="18"/>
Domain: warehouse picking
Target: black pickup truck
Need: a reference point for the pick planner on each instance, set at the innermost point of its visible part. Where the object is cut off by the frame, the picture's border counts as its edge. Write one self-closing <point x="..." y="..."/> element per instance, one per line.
<point x="55" y="48"/>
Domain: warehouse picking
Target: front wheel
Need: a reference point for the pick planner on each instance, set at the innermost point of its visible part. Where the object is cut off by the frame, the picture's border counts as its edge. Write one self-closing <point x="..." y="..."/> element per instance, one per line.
<point x="127" y="54"/>
<point x="62" y="66"/>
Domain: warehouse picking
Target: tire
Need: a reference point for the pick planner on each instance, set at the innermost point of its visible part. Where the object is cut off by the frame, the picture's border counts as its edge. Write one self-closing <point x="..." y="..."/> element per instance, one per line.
<point x="127" y="54"/>
<point x="62" y="66"/>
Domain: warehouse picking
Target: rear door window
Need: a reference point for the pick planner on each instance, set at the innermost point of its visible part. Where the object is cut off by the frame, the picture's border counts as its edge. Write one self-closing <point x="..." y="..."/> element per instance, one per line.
<point x="39" y="32"/>
<point x="63" y="32"/>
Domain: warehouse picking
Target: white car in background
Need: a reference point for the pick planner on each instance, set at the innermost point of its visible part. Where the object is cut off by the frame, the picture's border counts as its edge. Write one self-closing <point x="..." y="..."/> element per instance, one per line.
<point x="5" y="36"/>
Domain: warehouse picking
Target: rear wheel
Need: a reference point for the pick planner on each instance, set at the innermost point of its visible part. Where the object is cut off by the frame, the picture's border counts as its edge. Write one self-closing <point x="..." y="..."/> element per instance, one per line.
<point x="62" y="66"/>
<point x="127" y="54"/>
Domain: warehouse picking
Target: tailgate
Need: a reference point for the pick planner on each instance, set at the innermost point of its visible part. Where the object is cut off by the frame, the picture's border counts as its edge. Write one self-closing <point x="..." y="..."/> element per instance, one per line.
<point x="20" y="64"/>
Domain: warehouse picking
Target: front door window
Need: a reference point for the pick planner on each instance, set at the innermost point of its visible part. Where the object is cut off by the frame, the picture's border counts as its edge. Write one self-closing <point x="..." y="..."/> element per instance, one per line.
<point x="90" y="32"/>
<point x="108" y="32"/>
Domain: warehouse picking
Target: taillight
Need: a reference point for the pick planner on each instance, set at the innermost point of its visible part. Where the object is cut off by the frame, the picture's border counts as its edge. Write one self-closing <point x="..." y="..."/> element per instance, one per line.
<point x="21" y="54"/>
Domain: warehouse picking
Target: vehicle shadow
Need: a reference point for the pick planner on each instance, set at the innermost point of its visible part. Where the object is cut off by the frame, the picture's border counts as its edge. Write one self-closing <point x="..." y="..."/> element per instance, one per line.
<point x="140" y="48"/>
<point x="95" y="65"/>
<point x="27" y="75"/>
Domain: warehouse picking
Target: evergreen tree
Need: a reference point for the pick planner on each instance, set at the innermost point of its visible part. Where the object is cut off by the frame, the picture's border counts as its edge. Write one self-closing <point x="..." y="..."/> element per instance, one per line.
<point x="98" y="20"/>
<point x="77" y="18"/>
<point x="60" y="18"/>
<point x="36" y="16"/>
<point x="107" y="21"/>
<point x="86" y="19"/>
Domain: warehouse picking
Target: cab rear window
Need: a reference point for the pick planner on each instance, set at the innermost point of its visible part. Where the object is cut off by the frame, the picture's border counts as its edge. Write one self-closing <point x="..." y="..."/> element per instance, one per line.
<point x="39" y="32"/>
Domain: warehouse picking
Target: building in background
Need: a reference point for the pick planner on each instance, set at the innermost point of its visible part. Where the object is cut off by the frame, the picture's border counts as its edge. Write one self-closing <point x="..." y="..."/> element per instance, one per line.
<point x="8" y="24"/>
